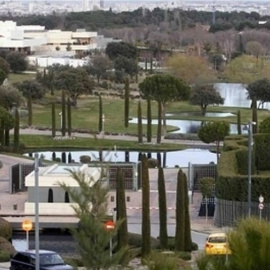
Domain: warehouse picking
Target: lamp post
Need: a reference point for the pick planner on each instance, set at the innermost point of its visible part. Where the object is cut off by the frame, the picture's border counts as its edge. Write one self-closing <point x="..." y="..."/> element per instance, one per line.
<point x="27" y="226"/>
<point x="61" y="120"/>
<point x="250" y="143"/>
<point x="249" y="166"/>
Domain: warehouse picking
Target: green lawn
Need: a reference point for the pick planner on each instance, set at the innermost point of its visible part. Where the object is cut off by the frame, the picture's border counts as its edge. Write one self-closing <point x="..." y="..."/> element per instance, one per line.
<point x="85" y="116"/>
<point x="43" y="142"/>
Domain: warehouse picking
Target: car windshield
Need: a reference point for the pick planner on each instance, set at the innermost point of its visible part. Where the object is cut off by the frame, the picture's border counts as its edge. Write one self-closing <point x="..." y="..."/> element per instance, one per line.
<point x="217" y="239"/>
<point x="50" y="259"/>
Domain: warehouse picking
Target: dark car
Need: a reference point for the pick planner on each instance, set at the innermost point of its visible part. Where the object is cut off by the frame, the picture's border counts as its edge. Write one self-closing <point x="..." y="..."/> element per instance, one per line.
<point x="49" y="260"/>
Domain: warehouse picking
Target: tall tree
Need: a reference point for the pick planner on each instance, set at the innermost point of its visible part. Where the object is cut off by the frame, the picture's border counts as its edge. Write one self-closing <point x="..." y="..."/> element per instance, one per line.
<point x="191" y="69"/>
<point x="163" y="235"/>
<point x="146" y="223"/>
<point x="214" y="132"/>
<point x="140" y="135"/>
<point x="205" y="95"/>
<point x="9" y="96"/>
<point x="99" y="66"/>
<point x="30" y="110"/>
<point x="164" y="89"/>
<point x="187" y="237"/>
<point x="75" y="81"/>
<point x="254" y="115"/>
<point x="16" y="131"/>
<point x="53" y="120"/>
<point x="69" y="118"/>
<point x="121" y="211"/>
<point x="159" y="127"/>
<point x="206" y="187"/>
<point x="17" y="61"/>
<point x="116" y="49"/>
<point x="32" y="88"/>
<point x="246" y="69"/>
<point x="149" y="120"/>
<point x="239" y="129"/>
<point x="100" y="114"/>
<point x="180" y="212"/>
<point x="259" y="89"/>
<point x="126" y="102"/>
<point x="90" y="206"/>
<point x="63" y="114"/>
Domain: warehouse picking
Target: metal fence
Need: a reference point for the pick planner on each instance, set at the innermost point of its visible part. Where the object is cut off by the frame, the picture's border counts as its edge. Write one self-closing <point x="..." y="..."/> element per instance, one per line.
<point x="197" y="171"/>
<point x="227" y="213"/>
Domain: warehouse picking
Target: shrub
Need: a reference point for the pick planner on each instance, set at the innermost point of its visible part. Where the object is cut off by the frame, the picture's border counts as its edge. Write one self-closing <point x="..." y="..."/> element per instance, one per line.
<point x="85" y="159"/>
<point x="4" y="256"/>
<point x="165" y="261"/>
<point x="5" y="229"/>
<point x="152" y="163"/>
<point x="6" y="250"/>
<point x="135" y="241"/>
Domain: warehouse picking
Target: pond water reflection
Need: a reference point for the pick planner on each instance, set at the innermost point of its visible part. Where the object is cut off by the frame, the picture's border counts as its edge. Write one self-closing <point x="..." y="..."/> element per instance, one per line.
<point x="168" y="159"/>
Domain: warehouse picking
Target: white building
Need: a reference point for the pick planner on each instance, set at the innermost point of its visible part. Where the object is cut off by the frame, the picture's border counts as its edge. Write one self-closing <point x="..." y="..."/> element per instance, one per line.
<point x="13" y="37"/>
<point x="53" y="200"/>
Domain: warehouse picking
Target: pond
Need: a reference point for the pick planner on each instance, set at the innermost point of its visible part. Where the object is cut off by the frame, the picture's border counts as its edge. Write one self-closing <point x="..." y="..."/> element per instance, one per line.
<point x="168" y="159"/>
<point x="187" y="126"/>
<point x="208" y="114"/>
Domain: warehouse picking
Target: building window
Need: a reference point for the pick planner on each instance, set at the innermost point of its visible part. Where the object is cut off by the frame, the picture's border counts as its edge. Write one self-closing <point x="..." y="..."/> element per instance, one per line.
<point x="50" y="196"/>
<point x="66" y="197"/>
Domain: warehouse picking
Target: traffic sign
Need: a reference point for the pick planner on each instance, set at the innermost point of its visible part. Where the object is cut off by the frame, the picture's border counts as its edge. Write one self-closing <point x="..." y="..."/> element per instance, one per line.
<point x="109" y="225"/>
<point x="261" y="206"/>
<point x="261" y="199"/>
<point x="27" y="225"/>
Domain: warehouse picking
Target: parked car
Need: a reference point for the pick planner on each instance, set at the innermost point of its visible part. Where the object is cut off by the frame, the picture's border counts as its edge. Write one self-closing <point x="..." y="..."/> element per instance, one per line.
<point x="49" y="260"/>
<point x="217" y="244"/>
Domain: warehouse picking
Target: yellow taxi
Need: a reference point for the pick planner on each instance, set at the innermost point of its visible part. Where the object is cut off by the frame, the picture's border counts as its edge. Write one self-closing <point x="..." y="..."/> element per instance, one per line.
<point x="217" y="244"/>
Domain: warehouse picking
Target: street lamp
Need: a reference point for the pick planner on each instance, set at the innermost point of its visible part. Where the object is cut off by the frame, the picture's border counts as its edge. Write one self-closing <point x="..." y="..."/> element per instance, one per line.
<point x="61" y="120"/>
<point x="250" y="143"/>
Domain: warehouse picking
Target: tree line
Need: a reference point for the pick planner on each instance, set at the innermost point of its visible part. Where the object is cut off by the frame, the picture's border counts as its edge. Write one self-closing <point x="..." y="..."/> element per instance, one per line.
<point x="96" y="20"/>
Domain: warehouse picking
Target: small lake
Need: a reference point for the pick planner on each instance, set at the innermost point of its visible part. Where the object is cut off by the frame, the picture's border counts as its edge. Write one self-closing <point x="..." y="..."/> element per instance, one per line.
<point x="168" y="159"/>
<point x="186" y="126"/>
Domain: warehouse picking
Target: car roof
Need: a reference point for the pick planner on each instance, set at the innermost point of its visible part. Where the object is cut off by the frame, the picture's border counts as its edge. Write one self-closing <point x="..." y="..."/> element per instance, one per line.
<point x="217" y="235"/>
<point x="33" y="251"/>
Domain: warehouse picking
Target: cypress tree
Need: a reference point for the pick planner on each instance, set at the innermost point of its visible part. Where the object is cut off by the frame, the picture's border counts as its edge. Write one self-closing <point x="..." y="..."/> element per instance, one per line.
<point x="254" y="115"/>
<point x="30" y="111"/>
<point x="100" y="123"/>
<point x="6" y="136"/>
<point x="122" y="234"/>
<point x="69" y="127"/>
<point x="53" y="120"/>
<point x="239" y="130"/>
<point x="126" y="101"/>
<point x="163" y="236"/>
<point x="187" y="239"/>
<point x="151" y="65"/>
<point x="63" y="116"/>
<point x="2" y="133"/>
<point x="149" y="121"/>
<point x="140" y="136"/>
<point x="180" y="212"/>
<point x="159" y="123"/>
<point x="16" y="131"/>
<point x="146" y="224"/>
